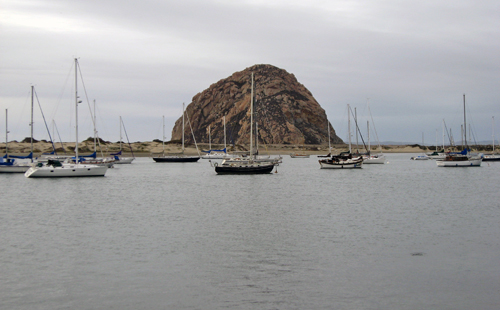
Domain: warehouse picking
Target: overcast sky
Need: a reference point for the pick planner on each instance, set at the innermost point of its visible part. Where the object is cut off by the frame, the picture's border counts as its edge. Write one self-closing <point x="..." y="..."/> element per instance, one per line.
<point x="143" y="59"/>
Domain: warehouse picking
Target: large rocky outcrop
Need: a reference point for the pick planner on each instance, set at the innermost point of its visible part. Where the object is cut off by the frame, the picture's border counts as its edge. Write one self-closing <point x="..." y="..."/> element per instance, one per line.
<point x="285" y="111"/>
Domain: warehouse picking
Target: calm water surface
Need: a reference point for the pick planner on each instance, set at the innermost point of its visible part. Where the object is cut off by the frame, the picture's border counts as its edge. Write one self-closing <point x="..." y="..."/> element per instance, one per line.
<point x="405" y="235"/>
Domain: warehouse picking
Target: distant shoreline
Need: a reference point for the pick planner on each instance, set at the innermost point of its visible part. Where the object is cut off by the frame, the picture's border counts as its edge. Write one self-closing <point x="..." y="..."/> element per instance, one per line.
<point x="145" y="149"/>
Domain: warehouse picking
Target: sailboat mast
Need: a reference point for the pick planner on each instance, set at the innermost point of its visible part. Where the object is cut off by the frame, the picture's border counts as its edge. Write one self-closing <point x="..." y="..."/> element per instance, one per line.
<point x="368" y="128"/>
<point x="356" y="122"/>
<point x="95" y="131"/>
<point x="183" y="127"/>
<point x="251" y="119"/>
<point x="493" y="133"/>
<point x="31" y="123"/>
<point x="209" y="138"/>
<point x="120" y="133"/>
<point x="349" y="126"/>
<point x="465" y="125"/>
<point x="6" y="134"/>
<point x="163" y="140"/>
<point x="224" y="118"/>
<point x="76" y="109"/>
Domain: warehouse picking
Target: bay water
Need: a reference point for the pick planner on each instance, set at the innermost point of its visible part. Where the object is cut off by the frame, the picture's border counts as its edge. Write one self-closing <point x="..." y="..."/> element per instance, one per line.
<point x="404" y="235"/>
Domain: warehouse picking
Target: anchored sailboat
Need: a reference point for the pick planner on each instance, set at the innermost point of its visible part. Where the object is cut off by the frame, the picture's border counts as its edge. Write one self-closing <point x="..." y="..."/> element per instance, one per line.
<point x="175" y="158"/>
<point x="248" y="165"/>
<point x="55" y="168"/>
<point x="464" y="158"/>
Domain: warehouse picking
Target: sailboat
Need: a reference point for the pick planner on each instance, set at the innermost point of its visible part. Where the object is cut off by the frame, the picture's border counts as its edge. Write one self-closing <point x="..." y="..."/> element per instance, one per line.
<point x="248" y="165"/>
<point x="464" y="158"/>
<point x="55" y="168"/>
<point x="370" y="158"/>
<point x="9" y="163"/>
<point x="345" y="160"/>
<point x="492" y="156"/>
<point x="179" y="157"/>
<point x="215" y="154"/>
<point x="118" y="155"/>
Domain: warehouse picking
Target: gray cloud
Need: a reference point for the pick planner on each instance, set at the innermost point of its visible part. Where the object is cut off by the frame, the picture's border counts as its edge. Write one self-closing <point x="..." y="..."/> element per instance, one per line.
<point x="141" y="60"/>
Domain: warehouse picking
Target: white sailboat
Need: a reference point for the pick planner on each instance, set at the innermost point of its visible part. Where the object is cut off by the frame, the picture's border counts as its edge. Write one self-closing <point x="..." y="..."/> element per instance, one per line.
<point x="464" y="158"/>
<point x="119" y="159"/>
<point x="54" y="168"/>
<point x="370" y="158"/>
<point x="215" y="154"/>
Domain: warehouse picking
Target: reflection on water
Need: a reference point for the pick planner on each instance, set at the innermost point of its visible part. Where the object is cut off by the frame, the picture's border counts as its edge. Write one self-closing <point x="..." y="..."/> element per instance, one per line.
<point x="405" y="235"/>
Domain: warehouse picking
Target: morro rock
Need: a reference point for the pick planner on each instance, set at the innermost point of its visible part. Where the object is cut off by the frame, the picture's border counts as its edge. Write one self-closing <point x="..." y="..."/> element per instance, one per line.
<point x="284" y="110"/>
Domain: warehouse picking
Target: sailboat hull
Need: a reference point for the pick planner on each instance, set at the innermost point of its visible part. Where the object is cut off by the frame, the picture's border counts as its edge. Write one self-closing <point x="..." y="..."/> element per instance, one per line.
<point x="13" y="169"/>
<point x="461" y="163"/>
<point x="244" y="169"/>
<point x="76" y="170"/>
<point x="176" y="159"/>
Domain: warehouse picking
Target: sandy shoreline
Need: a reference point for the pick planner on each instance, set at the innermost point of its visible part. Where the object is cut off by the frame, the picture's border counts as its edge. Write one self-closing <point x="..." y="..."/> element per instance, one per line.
<point x="145" y="149"/>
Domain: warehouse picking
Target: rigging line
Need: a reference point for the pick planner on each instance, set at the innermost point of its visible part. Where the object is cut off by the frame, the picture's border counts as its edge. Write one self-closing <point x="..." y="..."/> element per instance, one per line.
<point x="374" y="128"/>
<point x="59" y="136"/>
<point x="45" y="122"/>
<point x="59" y="99"/>
<point x="86" y="95"/>
<point x="126" y="135"/>
<point x="194" y="138"/>
<point x="358" y="131"/>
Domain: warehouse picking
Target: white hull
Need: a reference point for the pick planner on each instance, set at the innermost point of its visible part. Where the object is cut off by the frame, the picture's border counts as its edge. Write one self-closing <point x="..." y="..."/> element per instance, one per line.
<point x="66" y="170"/>
<point x="353" y="163"/>
<point x="124" y="160"/>
<point x="374" y="159"/>
<point x="462" y="163"/>
<point x="215" y="156"/>
<point x="14" y="169"/>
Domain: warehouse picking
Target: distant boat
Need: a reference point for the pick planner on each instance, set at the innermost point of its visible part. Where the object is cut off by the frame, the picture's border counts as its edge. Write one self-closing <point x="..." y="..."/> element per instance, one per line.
<point x="11" y="163"/>
<point x="492" y="156"/>
<point x="370" y="158"/>
<point x="54" y="168"/>
<point x="464" y="158"/>
<point x="420" y="157"/>
<point x="175" y="157"/>
<point x="345" y="160"/>
<point x="299" y="155"/>
<point x="248" y="165"/>
<point x="119" y="159"/>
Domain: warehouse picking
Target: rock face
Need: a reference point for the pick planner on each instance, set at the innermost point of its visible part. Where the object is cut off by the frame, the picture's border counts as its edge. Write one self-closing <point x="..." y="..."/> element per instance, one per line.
<point x="284" y="110"/>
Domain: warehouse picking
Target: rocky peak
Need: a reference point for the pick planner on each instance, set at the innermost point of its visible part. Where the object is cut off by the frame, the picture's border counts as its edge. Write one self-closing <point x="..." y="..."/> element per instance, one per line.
<point x="284" y="110"/>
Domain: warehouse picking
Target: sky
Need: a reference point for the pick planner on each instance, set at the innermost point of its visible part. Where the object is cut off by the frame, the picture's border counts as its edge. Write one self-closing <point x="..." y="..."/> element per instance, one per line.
<point x="404" y="65"/>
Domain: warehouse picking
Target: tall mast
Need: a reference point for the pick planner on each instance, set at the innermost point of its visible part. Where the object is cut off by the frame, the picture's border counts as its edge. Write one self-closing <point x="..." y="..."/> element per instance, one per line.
<point x="465" y="126"/>
<point x="251" y="120"/>
<point x="493" y="133"/>
<point x="224" y="118"/>
<point x="120" y="133"/>
<point x="368" y="128"/>
<point x="356" y="122"/>
<point x="6" y="133"/>
<point x="349" y="126"/>
<point x="209" y="138"/>
<point x="163" y="140"/>
<point x="95" y="131"/>
<point x="183" y="127"/>
<point x="31" y="123"/>
<point x="76" y="109"/>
